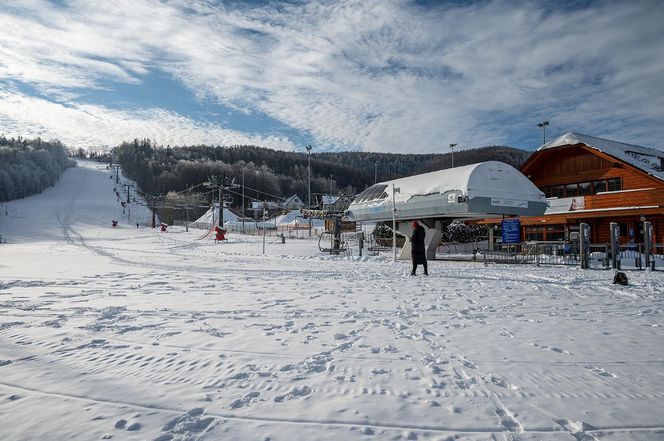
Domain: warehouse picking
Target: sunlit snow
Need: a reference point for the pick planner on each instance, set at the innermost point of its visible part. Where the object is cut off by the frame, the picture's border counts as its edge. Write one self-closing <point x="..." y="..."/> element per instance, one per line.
<point x="134" y="334"/>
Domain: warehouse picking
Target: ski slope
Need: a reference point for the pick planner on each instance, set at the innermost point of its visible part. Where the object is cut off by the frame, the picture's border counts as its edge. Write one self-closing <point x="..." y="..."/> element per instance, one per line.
<point x="133" y="334"/>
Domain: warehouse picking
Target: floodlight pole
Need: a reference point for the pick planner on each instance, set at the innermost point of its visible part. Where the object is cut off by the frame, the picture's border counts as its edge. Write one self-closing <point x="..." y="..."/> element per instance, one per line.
<point x="308" y="148"/>
<point x="243" y="201"/>
<point x="543" y="125"/>
<point x="394" y="223"/>
<point x="452" y="148"/>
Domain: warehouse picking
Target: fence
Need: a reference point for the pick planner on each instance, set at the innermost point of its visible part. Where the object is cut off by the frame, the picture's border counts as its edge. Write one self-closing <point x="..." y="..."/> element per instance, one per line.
<point x="631" y="256"/>
<point x="293" y="231"/>
<point x="545" y="253"/>
<point x="551" y="253"/>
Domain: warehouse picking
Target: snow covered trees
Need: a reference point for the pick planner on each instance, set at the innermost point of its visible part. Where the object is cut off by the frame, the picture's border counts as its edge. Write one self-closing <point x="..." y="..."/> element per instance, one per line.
<point x="29" y="166"/>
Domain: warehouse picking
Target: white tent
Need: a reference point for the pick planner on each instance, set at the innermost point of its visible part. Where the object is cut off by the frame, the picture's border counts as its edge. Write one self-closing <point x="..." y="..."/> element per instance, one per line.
<point x="211" y="216"/>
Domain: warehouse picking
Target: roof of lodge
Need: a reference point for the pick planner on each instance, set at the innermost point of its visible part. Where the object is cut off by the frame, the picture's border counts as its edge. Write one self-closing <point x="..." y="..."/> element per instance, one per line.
<point x="644" y="158"/>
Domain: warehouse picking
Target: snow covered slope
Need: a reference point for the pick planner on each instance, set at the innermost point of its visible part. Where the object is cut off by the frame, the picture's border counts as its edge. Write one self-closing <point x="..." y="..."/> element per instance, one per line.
<point x="132" y="334"/>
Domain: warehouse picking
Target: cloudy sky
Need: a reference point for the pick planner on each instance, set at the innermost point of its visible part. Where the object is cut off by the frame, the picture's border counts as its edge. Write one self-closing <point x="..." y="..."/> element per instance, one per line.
<point x="373" y="75"/>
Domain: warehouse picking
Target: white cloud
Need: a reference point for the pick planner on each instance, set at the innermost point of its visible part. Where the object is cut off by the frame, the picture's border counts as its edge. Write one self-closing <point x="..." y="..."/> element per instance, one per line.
<point x="94" y="126"/>
<point x="379" y="75"/>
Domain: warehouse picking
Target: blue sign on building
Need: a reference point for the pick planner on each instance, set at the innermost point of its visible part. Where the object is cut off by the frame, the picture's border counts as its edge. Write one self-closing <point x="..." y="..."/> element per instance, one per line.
<point x="511" y="231"/>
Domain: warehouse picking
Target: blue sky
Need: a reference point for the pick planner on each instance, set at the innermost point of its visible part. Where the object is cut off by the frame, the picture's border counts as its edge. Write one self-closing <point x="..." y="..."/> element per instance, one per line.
<point x="373" y="75"/>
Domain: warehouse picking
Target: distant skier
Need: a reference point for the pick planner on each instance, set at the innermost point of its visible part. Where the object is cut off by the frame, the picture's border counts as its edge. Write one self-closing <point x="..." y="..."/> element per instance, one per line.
<point x="418" y="251"/>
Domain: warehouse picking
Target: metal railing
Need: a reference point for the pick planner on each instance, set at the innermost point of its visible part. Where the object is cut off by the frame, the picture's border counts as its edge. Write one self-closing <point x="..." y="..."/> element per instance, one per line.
<point x="600" y="256"/>
<point x="631" y="256"/>
<point x="537" y="253"/>
<point x="546" y="253"/>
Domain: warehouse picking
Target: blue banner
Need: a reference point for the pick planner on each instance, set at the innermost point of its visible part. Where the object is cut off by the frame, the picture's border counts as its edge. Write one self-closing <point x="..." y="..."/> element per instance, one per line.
<point x="511" y="231"/>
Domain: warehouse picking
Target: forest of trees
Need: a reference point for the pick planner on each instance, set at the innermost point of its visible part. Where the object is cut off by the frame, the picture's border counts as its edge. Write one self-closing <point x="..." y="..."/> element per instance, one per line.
<point x="274" y="174"/>
<point x="28" y="166"/>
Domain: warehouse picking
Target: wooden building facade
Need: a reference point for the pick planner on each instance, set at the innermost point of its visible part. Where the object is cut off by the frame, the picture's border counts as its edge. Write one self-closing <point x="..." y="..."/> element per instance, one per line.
<point x="596" y="181"/>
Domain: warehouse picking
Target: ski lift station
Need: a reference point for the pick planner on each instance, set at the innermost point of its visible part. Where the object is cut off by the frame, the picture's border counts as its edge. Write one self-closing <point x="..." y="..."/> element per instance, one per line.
<point x="469" y="192"/>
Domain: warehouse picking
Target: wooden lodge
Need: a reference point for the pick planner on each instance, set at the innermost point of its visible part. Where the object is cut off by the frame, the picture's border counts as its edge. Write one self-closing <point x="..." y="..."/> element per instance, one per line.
<point x="596" y="181"/>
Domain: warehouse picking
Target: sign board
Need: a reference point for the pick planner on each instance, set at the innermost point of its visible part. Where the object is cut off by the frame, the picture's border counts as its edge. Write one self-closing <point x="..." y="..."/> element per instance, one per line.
<point x="500" y="202"/>
<point x="511" y="230"/>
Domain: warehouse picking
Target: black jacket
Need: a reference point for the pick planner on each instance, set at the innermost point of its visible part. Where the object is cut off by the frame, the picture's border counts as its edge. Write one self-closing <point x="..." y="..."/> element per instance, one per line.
<point x="417" y="250"/>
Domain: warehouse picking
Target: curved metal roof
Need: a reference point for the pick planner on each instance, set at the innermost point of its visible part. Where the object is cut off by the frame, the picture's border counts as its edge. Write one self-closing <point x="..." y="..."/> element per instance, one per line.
<point x="474" y="190"/>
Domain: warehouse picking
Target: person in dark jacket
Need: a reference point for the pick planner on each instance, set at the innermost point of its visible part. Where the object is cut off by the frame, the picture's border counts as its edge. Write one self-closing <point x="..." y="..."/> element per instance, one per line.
<point x="417" y="249"/>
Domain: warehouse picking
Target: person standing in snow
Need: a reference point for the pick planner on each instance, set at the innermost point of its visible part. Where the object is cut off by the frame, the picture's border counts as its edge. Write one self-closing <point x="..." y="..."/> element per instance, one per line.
<point x="417" y="249"/>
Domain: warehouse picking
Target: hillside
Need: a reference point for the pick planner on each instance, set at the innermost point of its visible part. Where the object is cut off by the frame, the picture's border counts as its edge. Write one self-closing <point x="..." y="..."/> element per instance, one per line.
<point x="274" y="174"/>
<point x="28" y="166"/>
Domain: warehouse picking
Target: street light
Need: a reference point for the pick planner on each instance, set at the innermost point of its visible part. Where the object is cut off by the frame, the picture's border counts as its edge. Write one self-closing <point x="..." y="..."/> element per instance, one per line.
<point x="452" y="148"/>
<point x="395" y="190"/>
<point x="543" y="125"/>
<point x="308" y="149"/>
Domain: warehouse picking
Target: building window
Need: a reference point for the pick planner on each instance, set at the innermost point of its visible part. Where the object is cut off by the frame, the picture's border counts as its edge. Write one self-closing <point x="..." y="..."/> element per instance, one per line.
<point x="557" y="191"/>
<point x="599" y="186"/>
<point x="555" y="232"/>
<point x="614" y="184"/>
<point x="624" y="229"/>
<point x="535" y="233"/>
<point x="571" y="190"/>
<point x="585" y="188"/>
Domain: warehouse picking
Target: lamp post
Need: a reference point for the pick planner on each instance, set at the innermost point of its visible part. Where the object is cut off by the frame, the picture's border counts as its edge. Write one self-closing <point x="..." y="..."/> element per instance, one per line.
<point x="308" y="148"/>
<point x="452" y="148"/>
<point x="394" y="222"/>
<point x="331" y="185"/>
<point x="243" y="201"/>
<point x="543" y="125"/>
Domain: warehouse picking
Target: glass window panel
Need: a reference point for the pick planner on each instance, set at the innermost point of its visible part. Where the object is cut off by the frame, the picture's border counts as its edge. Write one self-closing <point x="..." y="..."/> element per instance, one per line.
<point x="557" y="191"/>
<point x="623" y="229"/>
<point x="363" y="196"/>
<point x="585" y="188"/>
<point x="614" y="184"/>
<point x="571" y="190"/>
<point x="555" y="235"/>
<point x="599" y="186"/>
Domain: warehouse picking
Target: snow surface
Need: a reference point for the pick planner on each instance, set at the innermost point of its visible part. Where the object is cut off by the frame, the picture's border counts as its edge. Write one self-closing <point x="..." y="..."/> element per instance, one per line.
<point x="133" y="334"/>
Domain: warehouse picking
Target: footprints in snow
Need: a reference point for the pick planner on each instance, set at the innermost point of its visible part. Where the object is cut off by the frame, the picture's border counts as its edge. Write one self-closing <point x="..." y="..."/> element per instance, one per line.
<point x="601" y="371"/>
<point x="577" y="429"/>
<point x="551" y="348"/>
<point x="187" y="427"/>
<point x="296" y="392"/>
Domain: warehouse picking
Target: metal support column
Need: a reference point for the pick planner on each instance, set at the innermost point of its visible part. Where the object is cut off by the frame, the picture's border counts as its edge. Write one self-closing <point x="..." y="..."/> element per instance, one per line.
<point x="647" y="242"/>
<point x="615" y="245"/>
<point x="584" y="245"/>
